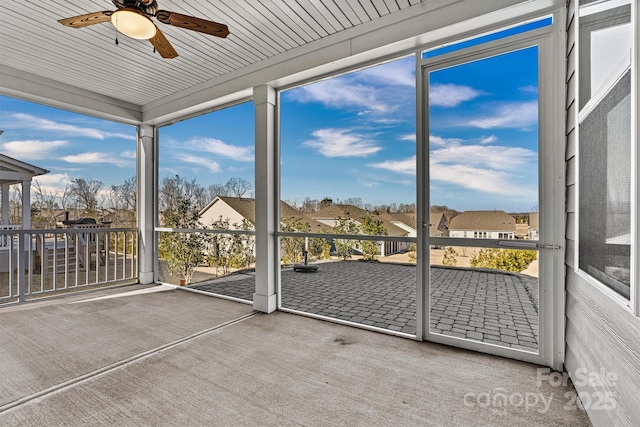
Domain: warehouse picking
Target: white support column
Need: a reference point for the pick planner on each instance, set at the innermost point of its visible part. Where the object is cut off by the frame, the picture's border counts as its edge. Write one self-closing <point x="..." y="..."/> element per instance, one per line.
<point x="265" y="298"/>
<point x="26" y="204"/>
<point x="146" y="173"/>
<point x="5" y="203"/>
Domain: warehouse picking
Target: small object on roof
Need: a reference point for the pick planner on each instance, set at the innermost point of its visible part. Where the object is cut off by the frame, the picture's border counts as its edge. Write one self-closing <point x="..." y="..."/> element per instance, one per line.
<point x="305" y="268"/>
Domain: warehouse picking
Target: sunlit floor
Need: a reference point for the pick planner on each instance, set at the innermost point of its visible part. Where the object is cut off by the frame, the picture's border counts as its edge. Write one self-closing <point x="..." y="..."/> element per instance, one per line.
<point x="161" y="356"/>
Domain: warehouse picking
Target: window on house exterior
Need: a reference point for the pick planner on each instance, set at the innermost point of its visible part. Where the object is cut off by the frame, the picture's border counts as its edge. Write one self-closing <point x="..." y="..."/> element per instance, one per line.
<point x="605" y="128"/>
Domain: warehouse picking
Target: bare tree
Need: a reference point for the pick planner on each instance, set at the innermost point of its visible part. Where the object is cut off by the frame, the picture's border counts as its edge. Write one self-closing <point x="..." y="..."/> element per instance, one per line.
<point x="15" y="205"/>
<point x="237" y="187"/>
<point x="85" y="193"/>
<point x="125" y="194"/>
<point x="177" y="189"/>
<point x="46" y="201"/>
<point x="216" y="190"/>
<point x="310" y="205"/>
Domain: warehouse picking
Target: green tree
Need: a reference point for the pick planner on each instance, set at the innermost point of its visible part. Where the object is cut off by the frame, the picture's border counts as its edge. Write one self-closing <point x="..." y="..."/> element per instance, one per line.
<point x="184" y="251"/>
<point x="413" y="253"/>
<point x="319" y="248"/>
<point x="373" y="226"/>
<point x="292" y="247"/>
<point x="503" y="259"/>
<point x="218" y="253"/>
<point x="450" y="256"/>
<point x="345" y="225"/>
<point x="242" y="245"/>
<point x="230" y="250"/>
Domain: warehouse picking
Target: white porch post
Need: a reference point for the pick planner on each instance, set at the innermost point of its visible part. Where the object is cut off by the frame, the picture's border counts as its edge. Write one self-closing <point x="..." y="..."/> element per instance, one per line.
<point x="264" y="298"/>
<point x="146" y="166"/>
<point x="26" y="204"/>
<point x="5" y="203"/>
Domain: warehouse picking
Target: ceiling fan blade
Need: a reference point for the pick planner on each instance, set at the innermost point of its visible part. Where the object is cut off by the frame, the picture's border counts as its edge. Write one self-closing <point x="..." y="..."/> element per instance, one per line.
<point x="162" y="45"/>
<point x="86" y="20"/>
<point x="192" y="23"/>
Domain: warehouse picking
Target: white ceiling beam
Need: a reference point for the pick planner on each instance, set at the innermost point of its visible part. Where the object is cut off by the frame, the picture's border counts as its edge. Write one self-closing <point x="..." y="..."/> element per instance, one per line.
<point x="30" y="87"/>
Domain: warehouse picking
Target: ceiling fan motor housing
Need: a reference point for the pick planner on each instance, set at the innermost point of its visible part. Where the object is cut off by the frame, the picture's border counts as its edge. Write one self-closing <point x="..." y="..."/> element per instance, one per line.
<point x="148" y="7"/>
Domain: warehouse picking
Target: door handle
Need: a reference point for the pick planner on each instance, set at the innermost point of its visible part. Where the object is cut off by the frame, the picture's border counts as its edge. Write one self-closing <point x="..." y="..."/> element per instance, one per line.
<point x="527" y="244"/>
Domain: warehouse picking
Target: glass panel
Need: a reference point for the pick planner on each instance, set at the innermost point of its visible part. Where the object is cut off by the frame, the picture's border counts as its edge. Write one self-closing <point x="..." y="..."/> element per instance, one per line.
<point x="605" y="189"/>
<point x="491" y="296"/>
<point x="483" y="184"/>
<point x="206" y="177"/>
<point x="605" y="44"/>
<point x="379" y="294"/>
<point x="348" y="167"/>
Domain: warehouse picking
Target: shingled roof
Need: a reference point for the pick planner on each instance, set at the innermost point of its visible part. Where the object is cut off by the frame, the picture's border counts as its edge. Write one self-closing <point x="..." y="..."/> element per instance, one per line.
<point x="483" y="221"/>
<point x="337" y="210"/>
<point x="246" y="207"/>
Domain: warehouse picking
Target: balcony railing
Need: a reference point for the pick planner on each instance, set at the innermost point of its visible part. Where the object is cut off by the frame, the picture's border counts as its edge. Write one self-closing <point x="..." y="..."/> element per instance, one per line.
<point x="37" y="263"/>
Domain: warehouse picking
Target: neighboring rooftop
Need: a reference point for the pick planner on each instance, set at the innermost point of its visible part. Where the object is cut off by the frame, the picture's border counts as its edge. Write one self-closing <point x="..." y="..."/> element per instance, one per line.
<point x="483" y="221"/>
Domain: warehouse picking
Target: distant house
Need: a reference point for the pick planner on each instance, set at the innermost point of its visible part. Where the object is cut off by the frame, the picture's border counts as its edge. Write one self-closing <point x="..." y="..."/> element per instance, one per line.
<point x="483" y="225"/>
<point x="438" y="225"/>
<point x="394" y="226"/>
<point x="236" y="210"/>
<point x="404" y="220"/>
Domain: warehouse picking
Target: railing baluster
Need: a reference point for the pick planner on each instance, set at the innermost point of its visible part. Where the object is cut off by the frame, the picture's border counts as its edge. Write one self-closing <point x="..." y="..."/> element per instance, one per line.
<point x="20" y="268"/>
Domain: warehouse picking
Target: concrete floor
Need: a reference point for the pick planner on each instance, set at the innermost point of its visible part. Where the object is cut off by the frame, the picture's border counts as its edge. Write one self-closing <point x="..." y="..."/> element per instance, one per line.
<point x="174" y="358"/>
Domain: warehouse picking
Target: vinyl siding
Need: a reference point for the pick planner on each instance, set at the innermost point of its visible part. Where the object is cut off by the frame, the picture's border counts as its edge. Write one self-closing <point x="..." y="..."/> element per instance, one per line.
<point x="600" y="334"/>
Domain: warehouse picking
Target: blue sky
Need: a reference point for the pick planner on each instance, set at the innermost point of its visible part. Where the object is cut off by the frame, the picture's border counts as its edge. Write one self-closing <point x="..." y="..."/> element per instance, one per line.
<point x="348" y="136"/>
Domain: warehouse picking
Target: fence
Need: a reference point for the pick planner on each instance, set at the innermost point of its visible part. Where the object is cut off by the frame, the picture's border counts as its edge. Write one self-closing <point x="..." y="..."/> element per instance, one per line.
<point x="36" y="263"/>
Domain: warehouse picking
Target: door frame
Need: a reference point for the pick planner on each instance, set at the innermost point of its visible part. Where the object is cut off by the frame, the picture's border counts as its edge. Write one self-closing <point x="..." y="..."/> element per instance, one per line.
<point x="551" y="154"/>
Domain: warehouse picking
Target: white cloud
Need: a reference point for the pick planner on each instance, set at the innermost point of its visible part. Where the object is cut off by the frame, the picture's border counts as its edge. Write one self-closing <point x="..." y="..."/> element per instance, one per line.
<point x="341" y="143"/>
<point x="440" y="141"/>
<point x="22" y="120"/>
<point x="512" y="115"/>
<point x="130" y="154"/>
<point x="31" y="149"/>
<point x="405" y="167"/>
<point x="485" y="180"/>
<point x="96" y="158"/>
<point x="216" y="146"/>
<point x="382" y="93"/>
<point x="529" y="89"/>
<point x="451" y="95"/>
<point x="395" y="73"/>
<point x="341" y="93"/>
<point x="211" y="165"/>
<point x="53" y="182"/>
<point x="490" y="169"/>
<point x="488" y="139"/>
<point x="408" y="137"/>
<point x="488" y="156"/>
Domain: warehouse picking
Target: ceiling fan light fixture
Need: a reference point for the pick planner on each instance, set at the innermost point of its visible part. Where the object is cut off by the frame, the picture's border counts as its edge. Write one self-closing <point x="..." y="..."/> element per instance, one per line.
<point x="133" y="24"/>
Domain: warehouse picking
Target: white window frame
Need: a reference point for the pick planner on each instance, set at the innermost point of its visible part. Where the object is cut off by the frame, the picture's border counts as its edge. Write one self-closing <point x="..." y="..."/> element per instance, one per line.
<point x="633" y="303"/>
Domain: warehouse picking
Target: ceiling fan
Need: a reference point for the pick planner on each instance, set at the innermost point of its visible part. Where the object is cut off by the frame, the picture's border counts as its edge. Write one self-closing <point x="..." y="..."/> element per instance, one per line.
<point x="133" y="18"/>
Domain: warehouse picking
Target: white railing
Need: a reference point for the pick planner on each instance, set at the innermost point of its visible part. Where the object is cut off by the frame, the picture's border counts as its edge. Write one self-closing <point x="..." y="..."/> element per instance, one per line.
<point x="35" y="263"/>
<point x="5" y="240"/>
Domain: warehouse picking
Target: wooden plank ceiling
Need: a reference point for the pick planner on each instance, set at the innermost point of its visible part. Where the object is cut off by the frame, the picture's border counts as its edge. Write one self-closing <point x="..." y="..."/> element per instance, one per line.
<point x="32" y="41"/>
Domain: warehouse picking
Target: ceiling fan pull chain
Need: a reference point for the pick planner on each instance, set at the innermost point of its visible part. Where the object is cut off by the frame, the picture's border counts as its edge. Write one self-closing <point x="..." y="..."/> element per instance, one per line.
<point x="116" y="28"/>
